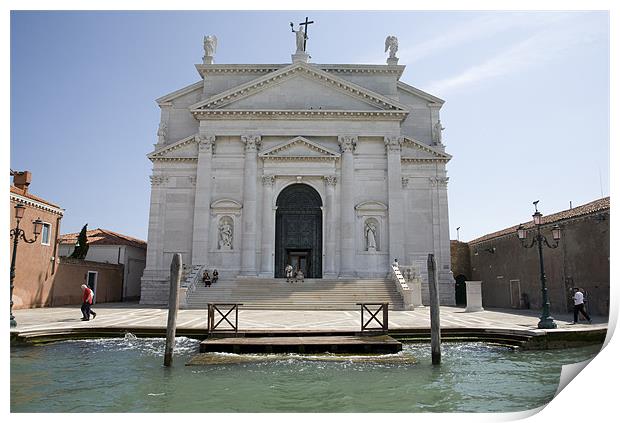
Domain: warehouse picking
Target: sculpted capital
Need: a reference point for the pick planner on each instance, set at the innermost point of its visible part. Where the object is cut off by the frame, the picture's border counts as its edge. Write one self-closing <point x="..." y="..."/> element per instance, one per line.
<point x="347" y="143"/>
<point x="206" y="143"/>
<point x="268" y="180"/>
<point x="330" y="180"/>
<point x="158" y="180"/>
<point x="252" y="142"/>
<point x="393" y="143"/>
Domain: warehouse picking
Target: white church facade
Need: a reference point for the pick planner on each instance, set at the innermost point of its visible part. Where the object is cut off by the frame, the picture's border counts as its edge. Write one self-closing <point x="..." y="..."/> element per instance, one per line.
<point x="337" y="169"/>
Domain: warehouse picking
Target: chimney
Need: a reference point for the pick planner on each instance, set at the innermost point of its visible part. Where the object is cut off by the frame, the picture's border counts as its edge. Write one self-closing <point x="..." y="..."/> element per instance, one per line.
<point x="22" y="180"/>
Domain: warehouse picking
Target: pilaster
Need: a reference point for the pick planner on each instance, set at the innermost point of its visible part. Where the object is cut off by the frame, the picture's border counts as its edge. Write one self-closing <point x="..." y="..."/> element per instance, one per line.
<point x="347" y="212"/>
<point x="396" y="218"/>
<point x="330" y="233"/>
<point x="248" y="243"/>
<point x="268" y="228"/>
<point x="202" y="200"/>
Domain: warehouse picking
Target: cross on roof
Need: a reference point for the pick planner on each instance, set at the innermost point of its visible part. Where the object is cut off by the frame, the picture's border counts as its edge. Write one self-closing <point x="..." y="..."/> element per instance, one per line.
<point x="305" y="25"/>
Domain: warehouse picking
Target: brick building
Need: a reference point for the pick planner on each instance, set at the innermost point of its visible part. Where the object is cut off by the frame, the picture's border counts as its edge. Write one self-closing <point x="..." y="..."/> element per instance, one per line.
<point x="36" y="263"/>
<point x="510" y="273"/>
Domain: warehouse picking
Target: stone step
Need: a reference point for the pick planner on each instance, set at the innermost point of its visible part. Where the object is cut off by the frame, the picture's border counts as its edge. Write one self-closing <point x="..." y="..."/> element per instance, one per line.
<point x="312" y="294"/>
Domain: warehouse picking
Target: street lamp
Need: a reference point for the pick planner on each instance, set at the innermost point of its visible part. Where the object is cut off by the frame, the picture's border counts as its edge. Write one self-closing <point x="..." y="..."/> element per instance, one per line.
<point x="16" y="234"/>
<point x="546" y="321"/>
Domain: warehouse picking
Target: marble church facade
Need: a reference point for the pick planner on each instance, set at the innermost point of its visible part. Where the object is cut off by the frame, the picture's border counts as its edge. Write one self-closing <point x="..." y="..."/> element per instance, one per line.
<point x="338" y="169"/>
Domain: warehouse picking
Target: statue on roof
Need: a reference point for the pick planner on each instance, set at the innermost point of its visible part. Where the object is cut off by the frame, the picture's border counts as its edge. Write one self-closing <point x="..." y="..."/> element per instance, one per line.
<point x="300" y="38"/>
<point x="210" y="46"/>
<point x="437" y="136"/>
<point x="391" y="43"/>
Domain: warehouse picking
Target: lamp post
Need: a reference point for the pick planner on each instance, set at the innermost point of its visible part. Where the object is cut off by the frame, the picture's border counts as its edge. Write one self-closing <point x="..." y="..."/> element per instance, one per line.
<point x="546" y="321"/>
<point x="16" y="234"/>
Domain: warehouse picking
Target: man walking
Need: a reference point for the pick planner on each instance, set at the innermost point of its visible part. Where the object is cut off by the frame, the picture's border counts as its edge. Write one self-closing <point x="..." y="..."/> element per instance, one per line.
<point x="579" y="306"/>
<point x="87" y="301"/>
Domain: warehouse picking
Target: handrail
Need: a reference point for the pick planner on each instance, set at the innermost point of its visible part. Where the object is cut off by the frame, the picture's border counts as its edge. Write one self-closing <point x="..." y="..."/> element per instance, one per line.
<point x="402" y="286"/>
<point x="197" y="275"/>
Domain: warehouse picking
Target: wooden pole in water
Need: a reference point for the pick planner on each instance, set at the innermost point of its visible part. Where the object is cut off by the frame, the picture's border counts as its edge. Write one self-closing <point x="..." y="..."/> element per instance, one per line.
<point x="435" y="325"/>
<point x="173" y="307"/>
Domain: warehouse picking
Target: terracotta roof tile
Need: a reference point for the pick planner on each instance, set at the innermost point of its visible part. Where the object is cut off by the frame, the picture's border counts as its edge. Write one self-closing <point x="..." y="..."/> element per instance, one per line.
<point x="589" y="208"/>
<point x="103" y="237"/>
<point x="26" y="194"/>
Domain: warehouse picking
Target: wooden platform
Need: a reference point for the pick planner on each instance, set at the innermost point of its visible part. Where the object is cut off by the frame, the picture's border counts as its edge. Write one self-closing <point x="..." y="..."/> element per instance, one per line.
<point x="378" y="344"/>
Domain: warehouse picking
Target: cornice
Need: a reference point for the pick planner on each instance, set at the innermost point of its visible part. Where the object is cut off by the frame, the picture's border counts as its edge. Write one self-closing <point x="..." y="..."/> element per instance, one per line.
<point x="174" y="159"/>
<point x="266" y="68"/>
<point x="419" y="93"/>
<point x="426" y="148"/>
<point x="171" y="147"/>
<point x="219" y="114"/>
<point x="36" y="204"/>
<point x="423" y="159"/>
<point x="167" y="99"/>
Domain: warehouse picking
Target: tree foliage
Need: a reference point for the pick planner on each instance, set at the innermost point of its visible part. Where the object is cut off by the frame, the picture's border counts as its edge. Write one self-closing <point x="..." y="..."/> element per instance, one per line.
<point x="81" y="248"/>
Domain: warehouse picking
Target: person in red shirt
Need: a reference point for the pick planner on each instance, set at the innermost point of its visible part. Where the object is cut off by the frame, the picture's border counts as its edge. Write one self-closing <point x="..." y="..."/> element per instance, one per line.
<point x="87" y="301"/>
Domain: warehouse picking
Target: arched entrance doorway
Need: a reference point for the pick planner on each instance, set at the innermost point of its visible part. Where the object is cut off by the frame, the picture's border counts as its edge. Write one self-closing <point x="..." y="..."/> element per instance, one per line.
<point x="299" y="223"/>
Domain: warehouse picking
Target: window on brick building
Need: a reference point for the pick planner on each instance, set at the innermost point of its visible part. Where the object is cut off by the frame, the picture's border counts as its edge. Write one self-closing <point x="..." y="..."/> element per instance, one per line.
<point x="45" y="233"/>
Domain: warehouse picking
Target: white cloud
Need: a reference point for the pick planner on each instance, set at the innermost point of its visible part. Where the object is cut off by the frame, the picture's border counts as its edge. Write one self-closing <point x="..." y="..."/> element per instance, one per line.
<point x="537" y="50"/>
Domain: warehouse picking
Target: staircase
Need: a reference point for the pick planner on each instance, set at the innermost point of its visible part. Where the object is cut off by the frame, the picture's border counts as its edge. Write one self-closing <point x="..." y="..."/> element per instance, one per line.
<point x="312" y="294"/>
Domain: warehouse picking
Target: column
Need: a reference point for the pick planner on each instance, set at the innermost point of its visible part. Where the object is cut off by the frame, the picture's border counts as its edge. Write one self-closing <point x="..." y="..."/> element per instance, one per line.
<point x="396" y="218"/>
<point x="330" y="233"/>
<point x="202" y="200"/>
<point x="268" y="229"/>
<point x="347" y="218"/>
<point x="248" y="233"/>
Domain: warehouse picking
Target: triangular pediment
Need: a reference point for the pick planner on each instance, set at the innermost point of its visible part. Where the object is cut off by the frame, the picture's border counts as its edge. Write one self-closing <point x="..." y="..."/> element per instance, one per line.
<point x="299" y="86"/>
<point x="414" y="150"/>
<point x="299" y="148"/>
<point x="184" y="149"/>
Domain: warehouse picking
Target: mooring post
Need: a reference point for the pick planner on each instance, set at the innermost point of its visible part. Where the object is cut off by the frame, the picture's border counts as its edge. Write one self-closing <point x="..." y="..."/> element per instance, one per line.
<point x="173" y="307"/>
<point x="435" y="325"/>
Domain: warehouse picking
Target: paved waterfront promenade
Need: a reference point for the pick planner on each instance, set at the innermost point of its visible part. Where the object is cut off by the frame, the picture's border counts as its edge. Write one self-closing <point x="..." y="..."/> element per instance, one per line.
<point x="133" y="315"/>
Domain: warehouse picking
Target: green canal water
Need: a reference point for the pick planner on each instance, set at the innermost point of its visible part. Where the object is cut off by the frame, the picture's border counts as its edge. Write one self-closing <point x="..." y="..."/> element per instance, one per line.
<point x="124" y="375"/>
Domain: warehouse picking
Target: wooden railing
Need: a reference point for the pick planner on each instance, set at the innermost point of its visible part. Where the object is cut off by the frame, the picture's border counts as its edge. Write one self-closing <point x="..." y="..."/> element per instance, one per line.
<point x="383" y="307"/>
<point x="223" y="316"/>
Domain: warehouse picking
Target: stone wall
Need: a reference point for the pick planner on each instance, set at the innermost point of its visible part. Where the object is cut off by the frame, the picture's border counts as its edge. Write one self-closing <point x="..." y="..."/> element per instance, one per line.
<point x="510" y="274"/>
<point x="72" y="273"/>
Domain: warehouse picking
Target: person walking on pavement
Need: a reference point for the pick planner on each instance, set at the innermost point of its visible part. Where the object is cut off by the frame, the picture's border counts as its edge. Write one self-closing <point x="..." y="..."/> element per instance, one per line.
<point x="579" y="306"/>
<point x="87" y="301"/>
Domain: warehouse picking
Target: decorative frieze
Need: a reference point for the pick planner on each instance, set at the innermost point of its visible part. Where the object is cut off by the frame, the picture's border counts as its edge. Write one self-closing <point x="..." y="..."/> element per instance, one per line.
<point x="396" y="115"/>
<point x="347" y="143"/>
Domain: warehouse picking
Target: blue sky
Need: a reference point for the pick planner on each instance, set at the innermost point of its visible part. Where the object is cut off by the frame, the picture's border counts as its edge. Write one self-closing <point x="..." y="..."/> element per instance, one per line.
<point x="526" y="112"/>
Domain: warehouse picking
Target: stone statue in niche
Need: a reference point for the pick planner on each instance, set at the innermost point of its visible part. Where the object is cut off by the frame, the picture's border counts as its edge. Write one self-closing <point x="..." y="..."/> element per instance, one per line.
<point x="225" y="236"/>
<point x="371" y="236"/>
<point x="437" y="132"/>
<point x="209" y="45"/>
<point x="391" y="43"/>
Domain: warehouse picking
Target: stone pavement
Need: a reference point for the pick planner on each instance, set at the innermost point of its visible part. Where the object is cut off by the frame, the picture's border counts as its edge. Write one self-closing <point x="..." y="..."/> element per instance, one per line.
<point x="128" y="315"/>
